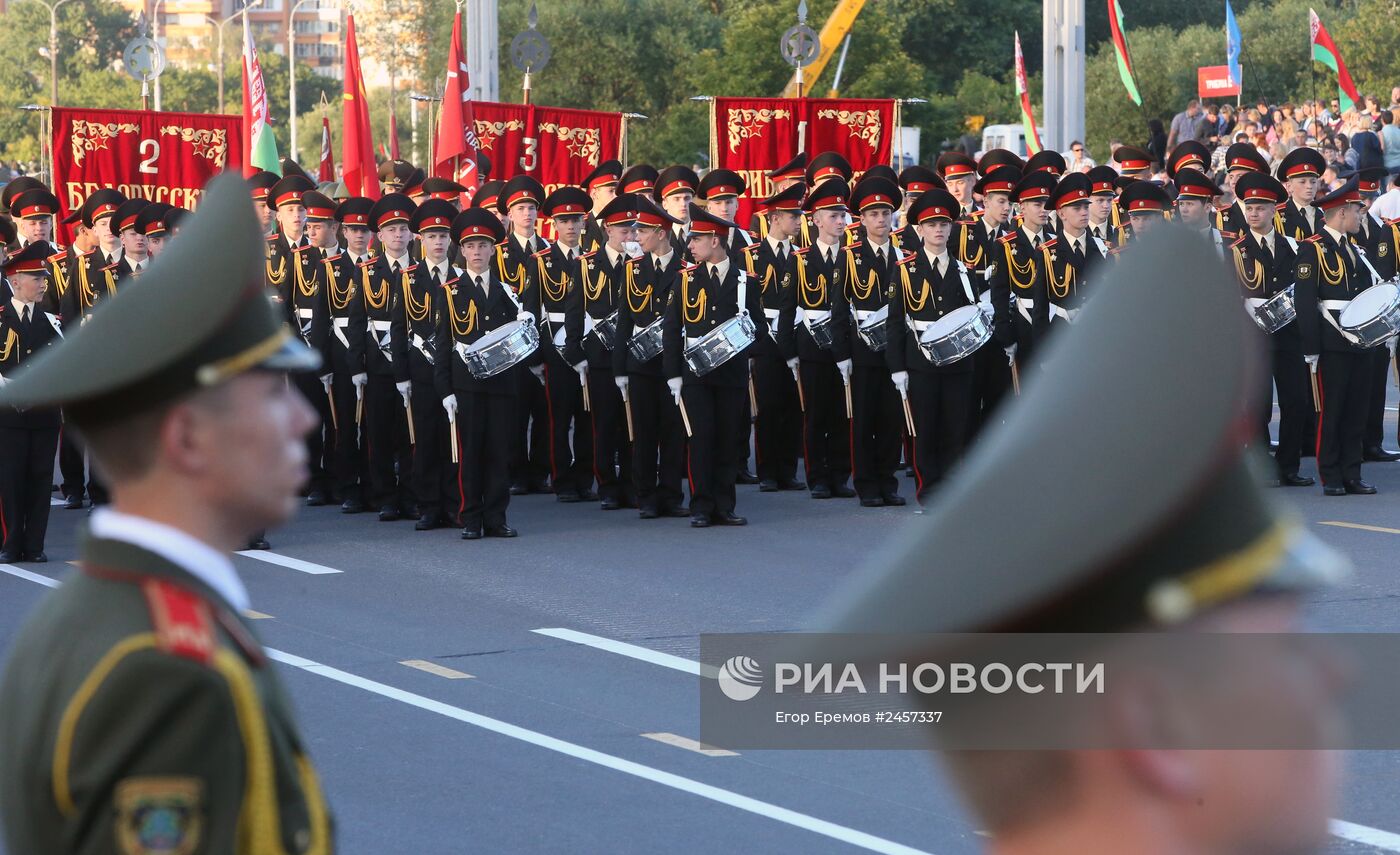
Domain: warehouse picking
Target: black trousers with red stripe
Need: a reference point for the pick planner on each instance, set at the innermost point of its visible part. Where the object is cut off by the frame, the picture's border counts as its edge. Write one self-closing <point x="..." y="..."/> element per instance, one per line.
<point x="434" y="478"/>
<point x="876" y="433"/>
<point x="778" y="427"/>
<point x="1295" y="409"/>
<point x="322" y="437"/>
<point x="1375" y="404"/>
<point x="571" y="431"/>
<point x="612" y="452"/>
<point x="484" y="425"/>
<point x="26" y="482"/>
<point x="826" y="438"/>
<point x="529" y="444"/>
<point x="942" y="405"/>
<point x="1344" y="388"/>
<point x="717" y="419"/>
<point x="658" y="447"/>
<point x="385" y="435"/>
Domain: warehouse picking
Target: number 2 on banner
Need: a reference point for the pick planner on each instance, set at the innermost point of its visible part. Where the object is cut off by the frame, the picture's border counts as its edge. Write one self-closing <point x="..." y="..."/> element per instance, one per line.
<point x="150" y="150"/>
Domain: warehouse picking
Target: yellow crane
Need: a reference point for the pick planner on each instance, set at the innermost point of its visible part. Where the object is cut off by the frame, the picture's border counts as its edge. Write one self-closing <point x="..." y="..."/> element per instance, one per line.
<point x="833" y="31"/>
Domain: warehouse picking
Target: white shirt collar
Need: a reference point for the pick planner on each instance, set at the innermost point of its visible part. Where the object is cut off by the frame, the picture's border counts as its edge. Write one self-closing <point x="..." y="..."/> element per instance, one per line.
<point x="827" y="248"/>
<point x="523" y="240"/>
<point x="935" y="260"/>
<point x="574" y="251"/>
<point x="442" y="267"/>
<point x="1337" y="236"/>
<point x="777" y="245"/>
<point x="19" y="308"/>
<point x="485" y="278"/>
<point x="614" y="255"/>
<point x="402" y="261"/>
<point x="199" y="559"/>
<point x="664" y="260"/>
<point x="877" y="247"/>
<point x="1081" y="242"/>
<point x="721" y="269"/>
<point x="131" y="262"/>
<point x="1032" y="235"/>
<point x="332" y="251"/>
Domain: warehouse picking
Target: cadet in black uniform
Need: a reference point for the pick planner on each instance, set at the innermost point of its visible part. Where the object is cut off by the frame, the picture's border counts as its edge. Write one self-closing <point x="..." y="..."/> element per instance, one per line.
<point x="342" y="274"/>
<point x="974" y="243"/>
<point x="720" y="190"/>
<point x="386" y="415"/>
<point x="519" y="203"/>
<point x="1146" y="205"/>
<point x="1329" y="274"/>
<point x="1381" y="241"/>
<point x="28" y="438"/>
<point x="559" y="293"/>
<point x="1299" y="171"/>
<point x="676" y="187"/>
<point x="928" y="286"/>
<point x="820" y="361"/>
<point x="600" y="185"/>
<point x="1103" y="210"/>
<point x="713" y="293"/>
<point x="780" y="179"/>
<point x="479" y="410"/>
<point x="1016" y="274"/>
<point x="1068" y="259"/>
<point x="658" y="442"/>
<point x="778" y="423"/>
<point x="590" y="327"/>
<point x="1240" y="157"/>
<point x="959" y="174"/>
<point x="1264" y="262"/>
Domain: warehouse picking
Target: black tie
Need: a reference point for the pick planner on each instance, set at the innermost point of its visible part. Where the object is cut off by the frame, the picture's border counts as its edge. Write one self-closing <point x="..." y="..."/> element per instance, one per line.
<point x="26" y="314"/>
<point x="437" y="278"/>
<point x="880" y="253"/>
<point x="479" y="283"/>
<point x="1035" y="242"/>
<point x="714" y="273"/>
<point x="394" y="268"/>
<point x="1268" y="256"/>
<point x="830" y="256"/>
<point x="323" y="255"/>
<point x="658" y="265"/>
<point x="938" y="267"/>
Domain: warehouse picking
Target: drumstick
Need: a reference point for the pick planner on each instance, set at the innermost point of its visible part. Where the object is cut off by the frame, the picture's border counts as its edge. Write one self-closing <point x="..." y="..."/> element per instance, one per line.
<point x="753" y="398"/>
<point x="908" y="416"/>
<point x="1015" y="378"/>
<point x="359" y="405"/>
<point x="412" y="437"/>
<point x="331" y="399"/>
<point x="850" y="411"/>
<point x="1317" y="398"/>
<point x="685" y="417"/>
<point x="452" y="428"/>
<point x="627" y="407"/>
<point x="801" y="398"/>
<point x="587" y="405"/>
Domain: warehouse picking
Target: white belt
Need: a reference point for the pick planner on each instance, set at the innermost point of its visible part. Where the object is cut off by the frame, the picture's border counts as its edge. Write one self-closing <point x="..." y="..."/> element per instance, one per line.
<point x="1254" y="302"/>
<point x="555" y="317"/>
<point x="770" y="314"/>
<point x="920" y="326"/>
<point x="338" y="326"/>
<point x="1334" y="305"/>
<point x="1024" y="307"/>
<point x="1337" y="306"/>
<point x="813" y="316"/>
<point x="862" y="314"/>
<point x="305" y="313"/>
<point x="1058" y="312"/>
<point x="422" y="346"/>
<point x="380" y="326"/>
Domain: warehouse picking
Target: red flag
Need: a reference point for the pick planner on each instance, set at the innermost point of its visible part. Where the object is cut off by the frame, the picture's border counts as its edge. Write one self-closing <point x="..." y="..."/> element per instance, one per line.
<point x="455" y="151"/>
<point x="327" y="172"/>
<point x="357" y="147"/>
<point x="393" y="136"/>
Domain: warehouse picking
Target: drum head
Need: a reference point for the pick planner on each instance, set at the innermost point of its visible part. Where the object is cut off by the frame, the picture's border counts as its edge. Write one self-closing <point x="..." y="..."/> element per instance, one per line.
<point x="1370" y="304"/>
<point x="954" y="320"/>
<point x="498" y="334"/>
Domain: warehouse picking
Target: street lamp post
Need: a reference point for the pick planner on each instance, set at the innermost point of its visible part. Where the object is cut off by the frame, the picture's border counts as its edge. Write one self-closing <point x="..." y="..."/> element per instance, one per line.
<point x="53" y="48"/>
<point x="219" y="28"/>
<point x="292" y="72"/>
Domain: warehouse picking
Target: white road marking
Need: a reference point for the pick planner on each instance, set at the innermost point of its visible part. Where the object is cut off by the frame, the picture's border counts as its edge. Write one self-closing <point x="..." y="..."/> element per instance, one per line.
<point x="287" y="561"/>
<point x="250" y="614"/>
<point x="622" y="648"/>
<point x="1386" y="840"/>
<point x="439" y="670"/>
<point x="1361" y="527"/>
<point x="55" y="502"/>
<point x="690" y="744"/>
<point x="726" y="797"/>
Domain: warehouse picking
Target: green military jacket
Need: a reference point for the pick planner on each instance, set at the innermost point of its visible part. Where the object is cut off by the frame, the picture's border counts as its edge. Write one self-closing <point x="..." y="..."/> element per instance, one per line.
<point x="139" y="714"/>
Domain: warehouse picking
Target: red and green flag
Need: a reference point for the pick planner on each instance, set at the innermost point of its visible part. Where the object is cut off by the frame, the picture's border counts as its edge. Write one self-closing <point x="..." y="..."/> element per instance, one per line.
<point x="1120" y="50"/>
<point x="1023" y="95"/>
<point x="1325" y="52"/>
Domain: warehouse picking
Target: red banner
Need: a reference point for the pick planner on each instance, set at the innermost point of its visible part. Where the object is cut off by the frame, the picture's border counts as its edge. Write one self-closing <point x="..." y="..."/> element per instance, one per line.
<point x="556" y="145"/>
<point x="753" y="135"/>
<point x="1213" y="81"/>
<point x="164" y="157"/>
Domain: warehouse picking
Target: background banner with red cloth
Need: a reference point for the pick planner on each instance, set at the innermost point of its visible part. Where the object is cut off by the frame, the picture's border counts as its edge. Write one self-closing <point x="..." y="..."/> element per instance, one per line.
<point x="555" y="145"/>
<point x="164" y="157"/>
<point x="754" y="135"/>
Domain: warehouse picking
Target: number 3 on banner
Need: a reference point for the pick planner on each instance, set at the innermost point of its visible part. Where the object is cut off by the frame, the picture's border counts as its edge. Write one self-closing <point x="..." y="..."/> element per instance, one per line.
<point x="150" y="150"/>
<point x="528" y="160"/>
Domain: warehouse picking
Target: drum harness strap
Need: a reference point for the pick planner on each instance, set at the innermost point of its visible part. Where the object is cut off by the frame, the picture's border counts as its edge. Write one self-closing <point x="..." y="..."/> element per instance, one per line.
<point x="920" y="326"/>
<point x="743" y="306"/>
<point x="1329" y="306"/>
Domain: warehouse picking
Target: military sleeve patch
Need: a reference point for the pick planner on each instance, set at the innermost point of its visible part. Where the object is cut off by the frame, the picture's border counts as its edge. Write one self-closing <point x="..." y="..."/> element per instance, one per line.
<point x="891" y="291"/>
<point x="1304" y="270"/>
<point x="159" y="815"/>
<point x="1383" y="249"/>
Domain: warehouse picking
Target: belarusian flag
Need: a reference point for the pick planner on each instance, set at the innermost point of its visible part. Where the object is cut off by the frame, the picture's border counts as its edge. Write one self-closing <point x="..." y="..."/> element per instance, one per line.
<point x="1326" y="53"/>
<point x="1024" y="96"/>
<point x="257" y="136"/>
<point x="1120" y="49"/>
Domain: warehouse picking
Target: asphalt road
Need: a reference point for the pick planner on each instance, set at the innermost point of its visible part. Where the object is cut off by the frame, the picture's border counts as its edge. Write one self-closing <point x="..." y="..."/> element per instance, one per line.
<point x="444" y="720"/>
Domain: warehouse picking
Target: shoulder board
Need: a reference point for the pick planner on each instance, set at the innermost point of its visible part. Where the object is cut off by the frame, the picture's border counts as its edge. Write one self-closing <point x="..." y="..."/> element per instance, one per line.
<point x="855" y="244"/>
<point x="335" y="257"/>
<point x="453" y="281"/>
<point x="271" y="238"/>
<point x="967" y="222"/>
<point x="1008" y="237"/>
<point x="368" y="262"/>
<point x="110" y="267"/>
<point x="182" y="620"/>
<point x="1282" y="206"/>
<point x="1237" y="241"/>
<point x="801" y="250"/>
<point x="1392" y="221"/>
<point x="1227" y="235"/>
<point x="850" y="227"/>
<point x="749" y="247"/>
<point x="542" y="253"/>
<point x="302" y="248"/>
<point x="410" y="268"/>
<point x="1312" y="239"/>
<point x="976" y="213"/>
<point x="1050" y="244"/>
<point x="908" y="258"/>
<point x="591" y="253"/>
<point x="58" y="256"/>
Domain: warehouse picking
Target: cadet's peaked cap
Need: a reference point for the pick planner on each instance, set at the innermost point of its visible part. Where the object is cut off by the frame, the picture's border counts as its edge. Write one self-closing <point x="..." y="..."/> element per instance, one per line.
<point x="413" y="184"/>
<point x="789" y="199"/>
<point x="722" y="184"/>
<point x="1198" y="532"/>
<point x="1003" y="179"/>
<point x="1187" y="153"/>
<point x="478" y="223"/>
<point x="291" y="167"/>
<point x="521" y="188"/>
<point x="652" y="215"/>
<point x="1035" y="186"/>
<point x="1144" y="197"/>
<point x="639" y="178"/>
<point x="261" y="182"/>
<point x="606" y="174"/>
<point x="1102" y="181"/>
<point x="1047" y="160"/>
<point x="34" y="258"/>
<point x="1348" y="192"/>
<point x="881" y="170"/>
<point x="919" y="179"/>
<point x="16" y="186"/>
<point x="1133" y="159"/>
<point x="795" y="168"/>
<point x="487" y="194"/>
<point x="830" y="194"/>
<point x="34" y="203"/>
<point x="875" y="193"/>
<point x="1301" y="162"/>
<point x="935" y="204"/>
<point x="175" y="218"/>
<point x="433" y="214"/>
<point x="172" y="333"/>
<point x="127" y="212"/>
<point x="702" y="222"/>
<point x="676" y="179"/>
<point x="826" y="165"/>
<point x="289" y="190"/>
<point x="1243" y="155"/>
<point x="442" y="188"/>
<point x="8" y="233"/>
<point x="1194" y="184"/>
<point x="1073" y="187"/>
<point x="395" y="172"/>
<point x="566" y="201"/>
<point x="999" y="157"/>
<point x="355" y="211"/>
<point x="320" y="208"/>
<point x="955" y="164"/>
<point x="621" y="211"/>
<point x="391" y="208"/>
<point x="151" y="221"/>
<point x="1260" y="187"/>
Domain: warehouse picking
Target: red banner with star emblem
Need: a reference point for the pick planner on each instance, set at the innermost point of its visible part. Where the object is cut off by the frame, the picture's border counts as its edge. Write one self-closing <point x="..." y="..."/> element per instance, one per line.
<point x="754" y="135"/>
<point x="164" y="157"/>
<point x="555" y="145"/>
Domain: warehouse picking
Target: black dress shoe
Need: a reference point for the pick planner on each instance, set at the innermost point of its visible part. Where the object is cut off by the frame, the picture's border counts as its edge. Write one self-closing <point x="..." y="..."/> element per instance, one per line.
<point x="1358" y="487"/>
<point x="501" y="530"/>
<point x="893" y="500"/>
<point x="876" y="502"/>
<point x="648" y="513"/>
<point x="13" y="557"/>
<point x="316" y="499"/>
<point x="352" y="506"/>
<point x="519" y="488"/>
<point x="541" y="486"/>
<point x="73" y="503"/>
<point x="843" y="493"/>
<point x="568" y="497"/>
<point x="746" y="477"/>
<point x="1376" y="454"/>
<point x="767" y="485"/>
<point x="792" y="485"/>
<point x="820" y="492"/>
<point x="388" y="513"/>
<point x="699" y="521"/>
<point x="730" y="519"/>
<point x="36" y="558"/>
<point x="610" y="504"/>
<point x="587" y="496"/>
<point x="259" y="543"/>
<point x="427" y="522"/>
<point x="1334" y="490"/>
<point x="1295" y="480"/>
<point x="677" y="511"/>
<point x="471" y="534"/>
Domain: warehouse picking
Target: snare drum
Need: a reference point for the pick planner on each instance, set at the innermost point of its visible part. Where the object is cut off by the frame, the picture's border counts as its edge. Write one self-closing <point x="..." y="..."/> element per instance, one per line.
<point x="956" y="335"/>
<point x="721" y="344"/>
<point x="500" y="349"/>
<point x="1276" y="312"/>
<point x="872" y="330"/>
<point x="606" y="330"/>
<point x="645" y="345"/>
<point x="820" y="330"/>
<point x="1373" y="315"/>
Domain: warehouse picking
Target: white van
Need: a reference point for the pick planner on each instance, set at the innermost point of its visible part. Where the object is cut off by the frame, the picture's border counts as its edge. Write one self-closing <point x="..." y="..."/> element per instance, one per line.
<point x="1011" y="137"/>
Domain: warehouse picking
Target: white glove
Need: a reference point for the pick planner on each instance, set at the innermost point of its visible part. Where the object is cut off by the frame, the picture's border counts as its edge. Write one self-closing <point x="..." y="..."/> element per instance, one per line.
<point x="792" y="364"/>
<point x="1390" y="345"/>
<point x="404" y="390"/>
<point x="1010" y="351"/>
<point x="450" y="404"/>
<point x="674" y="384"/>
<point x="525" y="316"/>
<point x="844" y="366"/>
<point x="359" y="379"/>
<point x="326" y="381"/>
<point x="582" y="369"/>
<point x="1311" y="359"/>
<point x="4" y="381"/>
<point x="1071" y="315"/>
<point x="622" y="383"/>
<point x="538" y="371"/>
<point x="901" y="382"/>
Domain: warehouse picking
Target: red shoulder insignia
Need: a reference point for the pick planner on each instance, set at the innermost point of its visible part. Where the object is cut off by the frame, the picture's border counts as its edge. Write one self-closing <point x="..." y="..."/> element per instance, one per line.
<point x="1007" y="238"/>
<point x="1226" y="235"/>
<point x="453" y="281"/>
<point x="908" y="258"/>
<point x="748" y="247"/>
<point x="271" y="238"/>
<point x="410" y="268"/>
<point x="368" y="262"/>
<point x="182" y="620"/>
<point x="542" y="253"/>
<point x="1312" y="239"/>
<point x="1237" y="240"/>
<point x="855" y="244"/>
<point x="57" y="257"/>
<point x="967" y="222"/>
<point x="801" y="250"/>
<point x="594" y="252"/>
<point x="1050" y="244"/>
<point x="1282" y="206"/>
<point x="335" y="257"/>
<point x="303" y="248"/>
